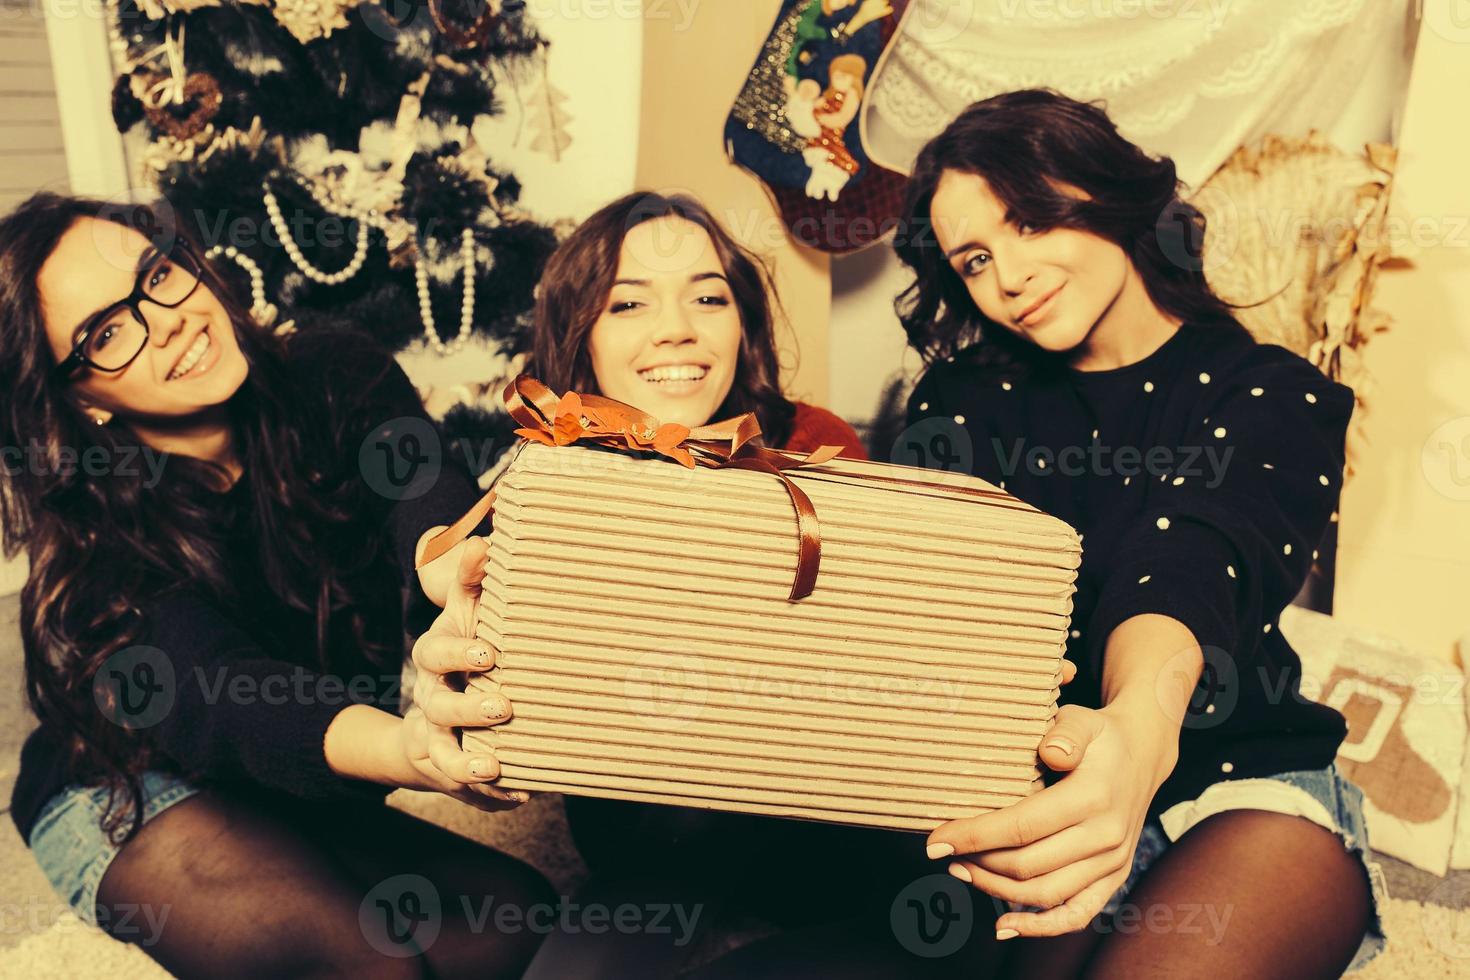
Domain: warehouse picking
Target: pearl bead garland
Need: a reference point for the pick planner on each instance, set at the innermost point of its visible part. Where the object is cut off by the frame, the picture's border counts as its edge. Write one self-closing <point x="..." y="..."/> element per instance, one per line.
<point x="467" y="307"/>
<point x="262" y="310"/>
<point x="366" y="219"/>
<point x="283" y="232"/>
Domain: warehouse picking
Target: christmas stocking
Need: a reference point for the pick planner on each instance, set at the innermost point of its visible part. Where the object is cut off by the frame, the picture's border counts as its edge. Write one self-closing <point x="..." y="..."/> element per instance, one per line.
<point x="795" y="124"/>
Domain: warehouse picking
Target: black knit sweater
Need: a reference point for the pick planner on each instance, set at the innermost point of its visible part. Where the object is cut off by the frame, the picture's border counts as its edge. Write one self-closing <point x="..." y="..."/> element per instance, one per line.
<point x="1202" y="479"/>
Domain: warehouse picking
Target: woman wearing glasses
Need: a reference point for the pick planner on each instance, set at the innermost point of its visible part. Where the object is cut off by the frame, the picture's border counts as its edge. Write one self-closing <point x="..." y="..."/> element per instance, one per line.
<point x="213" y="646"/>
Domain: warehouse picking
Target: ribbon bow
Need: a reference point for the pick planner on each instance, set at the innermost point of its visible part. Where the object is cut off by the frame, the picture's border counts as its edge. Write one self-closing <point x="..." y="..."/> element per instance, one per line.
<point x="573" y="418"/>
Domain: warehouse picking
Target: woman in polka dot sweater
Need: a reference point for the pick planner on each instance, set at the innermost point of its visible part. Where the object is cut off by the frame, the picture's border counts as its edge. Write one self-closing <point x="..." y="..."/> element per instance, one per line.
<point x="1079" y="359"/>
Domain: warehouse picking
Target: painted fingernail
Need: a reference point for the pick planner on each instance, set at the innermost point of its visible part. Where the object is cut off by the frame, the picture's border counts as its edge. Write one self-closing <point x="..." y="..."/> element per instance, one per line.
<point x="479" y="656"/>
<point x="961" y="872"/>
<point x="480" y="767"/>
<point x="1004" y="934"/>
<point x="937" y="851"/>
<point x="1062" y="745"/>
<point x="495" y="707"/>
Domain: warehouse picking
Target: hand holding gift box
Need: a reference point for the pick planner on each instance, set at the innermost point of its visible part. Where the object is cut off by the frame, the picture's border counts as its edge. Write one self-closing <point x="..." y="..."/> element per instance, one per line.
<point x="645" y="624"/>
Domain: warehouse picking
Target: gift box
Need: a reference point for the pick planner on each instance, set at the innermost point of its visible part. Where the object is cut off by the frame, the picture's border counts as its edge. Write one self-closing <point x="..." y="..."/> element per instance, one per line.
<point x="649" y="636"/>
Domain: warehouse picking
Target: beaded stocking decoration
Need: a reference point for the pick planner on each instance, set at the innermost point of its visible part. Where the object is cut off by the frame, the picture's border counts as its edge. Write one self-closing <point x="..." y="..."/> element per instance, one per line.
<point x="795" y="123"/>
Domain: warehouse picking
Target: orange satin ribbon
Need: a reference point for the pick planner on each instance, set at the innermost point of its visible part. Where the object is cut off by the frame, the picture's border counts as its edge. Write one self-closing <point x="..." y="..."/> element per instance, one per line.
<point x="573" y="418"/>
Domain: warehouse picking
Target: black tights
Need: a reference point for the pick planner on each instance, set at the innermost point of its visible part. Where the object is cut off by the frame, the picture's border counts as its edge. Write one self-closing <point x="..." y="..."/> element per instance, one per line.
<point x="218" y="886"/>
<point x="1245" y="894"/>
<point x="833" y="889"/>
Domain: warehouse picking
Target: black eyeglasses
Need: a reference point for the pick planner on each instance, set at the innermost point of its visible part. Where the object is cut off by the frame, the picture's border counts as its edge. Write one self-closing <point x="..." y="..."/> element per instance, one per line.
<point x="112" y="338"/>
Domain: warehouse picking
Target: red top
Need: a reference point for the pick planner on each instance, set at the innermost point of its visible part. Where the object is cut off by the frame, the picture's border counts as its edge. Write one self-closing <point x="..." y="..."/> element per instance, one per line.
<point x="814" y="427"/>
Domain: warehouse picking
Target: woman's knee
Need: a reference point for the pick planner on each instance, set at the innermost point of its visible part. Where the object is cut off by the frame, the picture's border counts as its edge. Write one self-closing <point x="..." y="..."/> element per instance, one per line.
<point x="1244" y="893"/>
<point x="209" y="887"/>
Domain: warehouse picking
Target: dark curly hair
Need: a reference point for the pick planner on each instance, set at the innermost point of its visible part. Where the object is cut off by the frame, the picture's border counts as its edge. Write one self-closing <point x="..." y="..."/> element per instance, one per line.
<point x="1025" y="144"/>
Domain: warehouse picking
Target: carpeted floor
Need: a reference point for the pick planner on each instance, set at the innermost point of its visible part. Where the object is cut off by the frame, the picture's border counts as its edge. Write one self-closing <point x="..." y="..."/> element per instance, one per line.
<point x="1428" y="918"/>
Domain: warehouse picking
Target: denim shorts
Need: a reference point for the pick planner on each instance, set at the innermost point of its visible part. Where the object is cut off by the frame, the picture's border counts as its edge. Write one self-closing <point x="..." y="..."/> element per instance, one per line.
<point x="1324" y="796"/>
<point x="74" y="851"/>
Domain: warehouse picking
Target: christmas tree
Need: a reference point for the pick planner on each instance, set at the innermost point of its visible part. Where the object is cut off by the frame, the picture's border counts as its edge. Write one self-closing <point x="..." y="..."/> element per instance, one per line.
<point x="327" y="150"/>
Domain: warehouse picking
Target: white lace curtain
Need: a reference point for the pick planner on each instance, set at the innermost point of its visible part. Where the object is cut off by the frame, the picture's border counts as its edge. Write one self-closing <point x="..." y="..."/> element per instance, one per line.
<point x="1193" y="79"/>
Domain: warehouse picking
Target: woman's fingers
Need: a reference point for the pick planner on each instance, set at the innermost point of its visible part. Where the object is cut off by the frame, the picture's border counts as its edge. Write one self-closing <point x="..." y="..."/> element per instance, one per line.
<point x="436" y="577"/>
<point x="1073" y="915"/>
<point x="1017" y="825"/>
<point x="465" y="709"/>
<point x="1061" y="849"/>
<point x="455" y="762"/>
<point x="471" y="570"/>
<point x="490" y="799"/>
<point x="464" y="591"/>
<point x="1046" y="891"/>
<point x="1065" y="744"/>
<point x="490" y="791"/>
<point x="1069" y="672"/>
<point x="442" y="653"/>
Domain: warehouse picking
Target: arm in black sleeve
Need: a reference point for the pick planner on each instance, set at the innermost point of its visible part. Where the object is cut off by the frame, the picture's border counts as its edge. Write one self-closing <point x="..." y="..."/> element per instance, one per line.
<point x="437" y="488"/>
<point x="393" y="434"/>
<point x="228" y="710"/>
<point x="1225" y="548"/>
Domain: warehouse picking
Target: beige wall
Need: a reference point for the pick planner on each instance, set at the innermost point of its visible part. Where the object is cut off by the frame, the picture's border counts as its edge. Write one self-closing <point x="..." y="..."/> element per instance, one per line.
<point x="693" y="69"/>
<point x="1404" y="564"/>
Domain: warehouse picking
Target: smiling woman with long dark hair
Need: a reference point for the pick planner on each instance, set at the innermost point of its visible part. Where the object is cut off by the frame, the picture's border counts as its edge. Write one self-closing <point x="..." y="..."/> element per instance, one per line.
<point x="1073" y="341"/>
<point x="213" y="646"/>
<point x="578" y="286"/>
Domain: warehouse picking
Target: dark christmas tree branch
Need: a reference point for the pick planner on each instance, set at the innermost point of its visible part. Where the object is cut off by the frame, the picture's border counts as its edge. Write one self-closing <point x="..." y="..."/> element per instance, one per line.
<point x="357" y="119"/>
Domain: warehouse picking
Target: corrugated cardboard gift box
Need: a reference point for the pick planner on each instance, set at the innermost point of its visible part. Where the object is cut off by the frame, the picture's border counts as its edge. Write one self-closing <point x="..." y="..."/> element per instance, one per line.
<point x="648" y="634"/>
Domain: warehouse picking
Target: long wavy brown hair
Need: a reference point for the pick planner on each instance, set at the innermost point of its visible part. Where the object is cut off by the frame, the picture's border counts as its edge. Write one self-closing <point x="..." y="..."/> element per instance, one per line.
<point x="579" y="279"/>
<point x="101" y="547"/>
<point x="1025" y="144"/>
